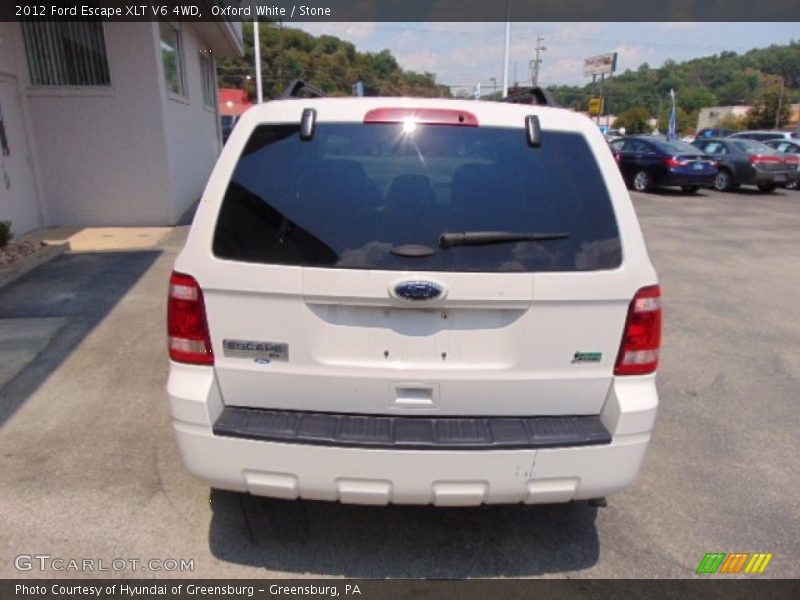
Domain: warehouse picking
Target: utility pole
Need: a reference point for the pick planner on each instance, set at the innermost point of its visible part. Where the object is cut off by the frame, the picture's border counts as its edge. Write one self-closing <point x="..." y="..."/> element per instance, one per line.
<point x="536" y="62"/>
<point x="780" y="103"/>
<point x="505" y="56"/>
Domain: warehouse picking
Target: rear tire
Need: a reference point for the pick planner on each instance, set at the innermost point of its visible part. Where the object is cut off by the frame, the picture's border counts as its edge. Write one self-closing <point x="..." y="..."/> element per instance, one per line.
<point x="766" y="188"/>
<point x="642" y="182"/>
<point x="723" y="182"/>
<point x="793" y="185"/>
<point x="689" y="189"/>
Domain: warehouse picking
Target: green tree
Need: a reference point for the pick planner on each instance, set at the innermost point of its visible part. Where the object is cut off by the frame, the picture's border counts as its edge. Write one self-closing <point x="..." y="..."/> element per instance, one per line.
<point x="634" y="120"/>
<point x="765" y="110"/>
<point x="731" y="121"/>
<point x="723" y="79"/>
<point x="326" y="61"/>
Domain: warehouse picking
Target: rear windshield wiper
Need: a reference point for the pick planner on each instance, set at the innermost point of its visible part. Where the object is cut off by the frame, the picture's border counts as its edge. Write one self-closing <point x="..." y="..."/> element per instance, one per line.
<point x="485" y="238"/>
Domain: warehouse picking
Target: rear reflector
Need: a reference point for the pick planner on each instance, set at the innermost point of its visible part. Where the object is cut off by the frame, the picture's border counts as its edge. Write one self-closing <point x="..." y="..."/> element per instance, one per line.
<point x="187" y="328"/>
<point x="422" y="116"/>
<point x="641" y="340"/>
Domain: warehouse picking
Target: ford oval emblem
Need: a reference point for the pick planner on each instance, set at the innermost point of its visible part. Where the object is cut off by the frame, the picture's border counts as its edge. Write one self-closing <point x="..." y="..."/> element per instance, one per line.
<point x="418" y="290"/>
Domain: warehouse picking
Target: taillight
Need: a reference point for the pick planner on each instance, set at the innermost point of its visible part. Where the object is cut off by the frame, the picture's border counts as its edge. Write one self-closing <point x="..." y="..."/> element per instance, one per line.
<point x="760" y="159"/>
<point x="187" y="327"/>
<point x="674" y="162"/>
<point x="641" y="340"/>
<point x="792" y="159"/>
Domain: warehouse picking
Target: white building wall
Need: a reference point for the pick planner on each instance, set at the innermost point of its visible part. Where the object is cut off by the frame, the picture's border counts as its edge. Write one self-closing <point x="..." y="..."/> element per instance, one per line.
<point x="20" y="188"/>
<point x="191" y="129"/>
<point x="101" y="151"/>
<point x="130" y="154"/>
<point x="711" y="116"/>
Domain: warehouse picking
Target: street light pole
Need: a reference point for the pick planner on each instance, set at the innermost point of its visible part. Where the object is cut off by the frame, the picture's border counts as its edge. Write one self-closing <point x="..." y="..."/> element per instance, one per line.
<point x="505" y="57"/>
<point x="257" y="53"/>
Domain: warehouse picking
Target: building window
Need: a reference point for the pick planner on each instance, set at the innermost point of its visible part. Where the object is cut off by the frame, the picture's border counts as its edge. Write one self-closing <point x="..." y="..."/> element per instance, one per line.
<point x="172" y="55"/>
<point x="207" y="71"/>
<point x="66" y="53"/>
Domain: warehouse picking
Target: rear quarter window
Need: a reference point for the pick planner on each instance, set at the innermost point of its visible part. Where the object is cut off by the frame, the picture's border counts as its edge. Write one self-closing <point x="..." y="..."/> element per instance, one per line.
<point x="356" y="195"/>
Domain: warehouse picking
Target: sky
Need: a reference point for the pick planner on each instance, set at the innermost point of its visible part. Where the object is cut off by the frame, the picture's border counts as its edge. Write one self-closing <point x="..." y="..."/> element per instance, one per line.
<point x="467" y="53"/>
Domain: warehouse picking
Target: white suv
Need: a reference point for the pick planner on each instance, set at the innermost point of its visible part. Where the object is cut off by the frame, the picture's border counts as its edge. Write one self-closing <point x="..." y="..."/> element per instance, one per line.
<point x="395" y="300"/>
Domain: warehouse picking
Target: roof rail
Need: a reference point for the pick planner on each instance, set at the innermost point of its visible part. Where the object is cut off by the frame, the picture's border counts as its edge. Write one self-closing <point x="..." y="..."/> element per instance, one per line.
<point x="298" y="86"/>
<point x="532" y="95"/>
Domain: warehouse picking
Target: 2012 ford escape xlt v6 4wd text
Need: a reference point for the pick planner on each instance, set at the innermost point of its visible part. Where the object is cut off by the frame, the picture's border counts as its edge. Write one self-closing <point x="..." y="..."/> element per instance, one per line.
<point x="395" y="300"/>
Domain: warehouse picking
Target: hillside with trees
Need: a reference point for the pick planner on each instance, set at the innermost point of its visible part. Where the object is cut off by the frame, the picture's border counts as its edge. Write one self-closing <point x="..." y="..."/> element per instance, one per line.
<point x="326" y="61"/>
<point x="754" y="78"/>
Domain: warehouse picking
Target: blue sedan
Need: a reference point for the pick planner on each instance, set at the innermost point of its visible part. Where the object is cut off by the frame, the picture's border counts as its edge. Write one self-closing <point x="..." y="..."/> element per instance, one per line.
<point x="648" y="162"/>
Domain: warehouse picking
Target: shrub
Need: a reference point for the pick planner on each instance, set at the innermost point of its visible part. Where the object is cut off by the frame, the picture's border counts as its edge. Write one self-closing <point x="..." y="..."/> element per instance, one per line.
<point x="5" y="233"/>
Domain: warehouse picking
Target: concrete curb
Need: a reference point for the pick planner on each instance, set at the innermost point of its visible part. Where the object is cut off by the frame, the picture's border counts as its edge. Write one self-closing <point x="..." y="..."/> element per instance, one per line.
<point x="27" y="263"/>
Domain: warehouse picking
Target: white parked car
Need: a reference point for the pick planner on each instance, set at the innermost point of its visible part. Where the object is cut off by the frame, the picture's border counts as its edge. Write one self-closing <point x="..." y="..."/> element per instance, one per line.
<point x="414" y="301"/>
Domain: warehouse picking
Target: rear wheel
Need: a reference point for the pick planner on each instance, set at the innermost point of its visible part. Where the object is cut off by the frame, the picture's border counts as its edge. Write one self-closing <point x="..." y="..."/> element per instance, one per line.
<point x="767" y="187"/>
<point x="642" y="181"/>
<point x="689" y="189"/>
<point x="723" y="181"/>
<point x="793" y="185"/>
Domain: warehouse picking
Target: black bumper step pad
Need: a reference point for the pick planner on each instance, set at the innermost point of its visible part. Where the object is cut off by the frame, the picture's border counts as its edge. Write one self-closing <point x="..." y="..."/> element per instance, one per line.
<point x="410" y="432"/>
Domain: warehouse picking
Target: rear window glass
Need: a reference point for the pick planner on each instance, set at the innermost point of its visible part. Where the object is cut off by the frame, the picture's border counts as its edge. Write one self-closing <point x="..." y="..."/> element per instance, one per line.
<point x="357" y="196"/>
<point x="754" y="147"/>
<point x="676" y="147"/>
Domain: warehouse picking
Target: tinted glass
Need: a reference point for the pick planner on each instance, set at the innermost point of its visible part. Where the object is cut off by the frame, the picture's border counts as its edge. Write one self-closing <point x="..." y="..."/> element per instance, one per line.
<point x="676" y="147"/>
<point x="634" y="145"/>
<point x="356" y="192"/>
<point x="754" y="147"/>
<point x="711" y="147"/>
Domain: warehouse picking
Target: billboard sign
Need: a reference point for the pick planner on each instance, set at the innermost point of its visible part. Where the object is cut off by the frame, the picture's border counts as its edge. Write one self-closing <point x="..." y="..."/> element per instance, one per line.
<point x="597" y="65"/>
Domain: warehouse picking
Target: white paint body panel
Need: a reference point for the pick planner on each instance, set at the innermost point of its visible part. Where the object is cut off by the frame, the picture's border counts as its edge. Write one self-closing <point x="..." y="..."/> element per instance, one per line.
<point x="495" y="344"/>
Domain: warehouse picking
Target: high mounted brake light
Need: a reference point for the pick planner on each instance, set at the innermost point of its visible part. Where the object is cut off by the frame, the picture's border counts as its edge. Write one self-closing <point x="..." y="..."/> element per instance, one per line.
<point x="187" y="328"/>
<point x="422" y="116"/>
<point x="641" y="340"/>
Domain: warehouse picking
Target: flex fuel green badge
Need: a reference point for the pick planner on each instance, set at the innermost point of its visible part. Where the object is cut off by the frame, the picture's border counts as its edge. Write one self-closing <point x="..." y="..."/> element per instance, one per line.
<point x="587" y="357"/>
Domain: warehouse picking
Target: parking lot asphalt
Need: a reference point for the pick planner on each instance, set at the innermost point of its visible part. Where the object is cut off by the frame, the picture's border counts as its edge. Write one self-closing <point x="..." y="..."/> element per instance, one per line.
<point x="89" y="467"/>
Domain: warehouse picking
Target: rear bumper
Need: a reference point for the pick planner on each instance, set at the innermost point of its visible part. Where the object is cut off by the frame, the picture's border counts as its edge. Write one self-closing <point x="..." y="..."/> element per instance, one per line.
<point x="674" y="178"/>
<point x="758" y="176"/>
<point x="402" y="476"/>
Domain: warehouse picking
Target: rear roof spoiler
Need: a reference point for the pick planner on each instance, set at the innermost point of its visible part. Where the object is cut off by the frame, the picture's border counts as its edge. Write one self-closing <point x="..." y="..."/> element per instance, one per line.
<point x="532" y="95"/>
<point x="298" y="86"/>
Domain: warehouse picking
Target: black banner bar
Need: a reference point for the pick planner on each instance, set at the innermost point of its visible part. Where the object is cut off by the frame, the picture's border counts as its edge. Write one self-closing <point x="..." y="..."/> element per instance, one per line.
<point x="369" y="589"/>
<point x="405" y="10"/>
